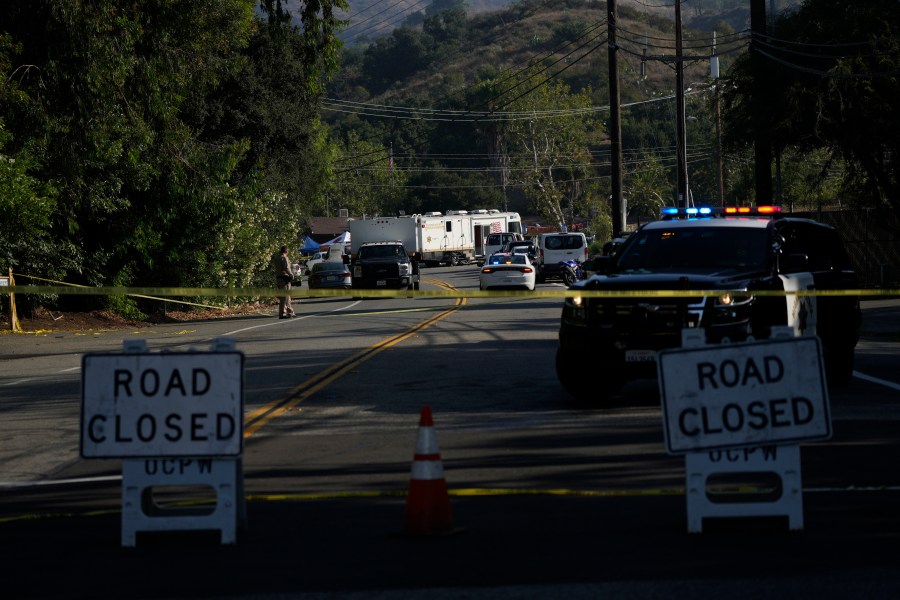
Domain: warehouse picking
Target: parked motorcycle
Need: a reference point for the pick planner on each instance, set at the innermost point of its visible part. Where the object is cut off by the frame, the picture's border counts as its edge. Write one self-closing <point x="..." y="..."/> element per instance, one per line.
<point x="571" y="272"/>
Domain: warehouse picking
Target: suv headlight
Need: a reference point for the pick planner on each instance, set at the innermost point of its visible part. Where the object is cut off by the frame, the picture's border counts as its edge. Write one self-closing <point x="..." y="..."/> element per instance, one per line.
<point x="729" y="299"/>
<point x="404" y="269"/>
<point x="575" y="310"/>
<point x="730" y="308"/>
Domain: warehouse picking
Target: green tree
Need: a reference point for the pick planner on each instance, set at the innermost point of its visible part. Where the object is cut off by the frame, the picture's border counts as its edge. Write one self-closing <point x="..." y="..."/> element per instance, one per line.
<point x="363" y="180"/>
<point x="26" y="208"/>
<point x="446" y="30"/>
<point x="26" y="202"/>
<point x="646" y="187"/>
<point x="394" y="58"/>
<point x="108" y="82"/>
<point x="182" y="139"/>
<point x="833" y="86"/>
<point x="548" y="142"/>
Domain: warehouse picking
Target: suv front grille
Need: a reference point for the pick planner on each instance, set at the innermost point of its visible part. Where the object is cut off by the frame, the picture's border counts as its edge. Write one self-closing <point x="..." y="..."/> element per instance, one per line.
<point x="381" y="271"/>
<point x="640" y="316"/>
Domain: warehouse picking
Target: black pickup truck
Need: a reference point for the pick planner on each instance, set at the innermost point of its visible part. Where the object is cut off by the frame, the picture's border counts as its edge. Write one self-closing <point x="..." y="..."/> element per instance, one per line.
<point x="384" y="265"/>
<point x="747" y="264"/>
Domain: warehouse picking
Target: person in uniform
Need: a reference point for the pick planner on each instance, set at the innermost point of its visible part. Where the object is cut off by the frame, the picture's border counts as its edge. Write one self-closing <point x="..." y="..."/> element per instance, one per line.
<point x="285" y="278"/>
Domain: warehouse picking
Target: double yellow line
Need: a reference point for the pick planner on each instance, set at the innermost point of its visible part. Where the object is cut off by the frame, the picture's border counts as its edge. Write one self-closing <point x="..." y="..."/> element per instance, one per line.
<point x="258" y="418"/>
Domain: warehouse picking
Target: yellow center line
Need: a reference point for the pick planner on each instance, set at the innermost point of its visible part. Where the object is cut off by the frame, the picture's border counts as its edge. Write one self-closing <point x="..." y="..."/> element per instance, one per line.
<point x="258" y="418"/>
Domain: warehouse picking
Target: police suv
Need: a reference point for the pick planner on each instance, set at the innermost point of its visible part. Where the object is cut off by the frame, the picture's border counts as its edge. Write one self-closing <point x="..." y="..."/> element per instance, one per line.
<point x="730" y="271"/>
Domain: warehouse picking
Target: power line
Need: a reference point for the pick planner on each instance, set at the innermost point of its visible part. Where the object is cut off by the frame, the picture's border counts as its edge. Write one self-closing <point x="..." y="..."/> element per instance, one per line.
<point x="461" y="116"/>
<point x="369" y="18"/>
<point x="390" y="21"/>
<point x="601" y="44"/>
<point x="533" y="60"/>
<point x="425" y="114"/>
<point x="824" y="73"/>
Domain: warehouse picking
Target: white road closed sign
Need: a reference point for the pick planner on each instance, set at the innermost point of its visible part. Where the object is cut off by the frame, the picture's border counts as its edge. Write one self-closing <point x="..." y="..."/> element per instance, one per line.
<point x="143" y="405"/>
<point x="743" y="394"/>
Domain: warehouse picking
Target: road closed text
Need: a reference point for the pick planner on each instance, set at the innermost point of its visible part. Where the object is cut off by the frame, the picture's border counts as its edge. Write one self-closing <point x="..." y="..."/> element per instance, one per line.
<point x="158" y="405"/>
<point x="149" y="428"/>
<point x="150" y="382"/>
<point x="754" y="393"/>
<point x="758" y="415"/>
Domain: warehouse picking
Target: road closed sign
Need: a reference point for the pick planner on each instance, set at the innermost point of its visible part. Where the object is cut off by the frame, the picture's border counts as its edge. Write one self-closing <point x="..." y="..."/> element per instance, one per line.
<point x="142" y="405"/>
<point x="743" y="394"/>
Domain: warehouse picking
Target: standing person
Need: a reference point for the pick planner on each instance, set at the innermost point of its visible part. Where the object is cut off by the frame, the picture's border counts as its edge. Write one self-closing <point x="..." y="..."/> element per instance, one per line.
<point x="285" y="277"/>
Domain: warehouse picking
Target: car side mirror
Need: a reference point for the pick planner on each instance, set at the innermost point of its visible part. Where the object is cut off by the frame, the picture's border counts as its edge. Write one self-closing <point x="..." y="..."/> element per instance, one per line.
<point x="598" y="264"/>
<point x="794" y="263"/>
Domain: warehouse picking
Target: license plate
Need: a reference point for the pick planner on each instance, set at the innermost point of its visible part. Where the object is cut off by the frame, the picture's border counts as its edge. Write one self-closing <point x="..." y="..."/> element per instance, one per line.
<point x="332" y="278"/>
<point x="640" y="356"/>
<point x="381" y="282"/>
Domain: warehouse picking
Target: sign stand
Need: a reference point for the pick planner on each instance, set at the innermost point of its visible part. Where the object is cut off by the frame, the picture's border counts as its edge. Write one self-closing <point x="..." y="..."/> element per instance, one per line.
<point x="223" y="475"/>
<point x="784" y="462"/>
<point x="141" y="513"/>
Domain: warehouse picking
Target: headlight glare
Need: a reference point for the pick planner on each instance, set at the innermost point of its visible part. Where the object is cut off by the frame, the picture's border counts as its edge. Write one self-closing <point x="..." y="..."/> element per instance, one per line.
<point x="731" y="299"/>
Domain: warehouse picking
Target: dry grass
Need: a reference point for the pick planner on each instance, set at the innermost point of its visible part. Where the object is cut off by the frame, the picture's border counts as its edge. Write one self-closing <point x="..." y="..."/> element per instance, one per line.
<point x="43" y="319"/>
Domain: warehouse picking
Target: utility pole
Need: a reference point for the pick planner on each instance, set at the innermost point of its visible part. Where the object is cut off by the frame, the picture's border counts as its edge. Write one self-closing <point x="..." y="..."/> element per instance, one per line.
<point x="762" y="149"/>
<point x="720" y="160"/>
<point x="615" y="125"/>
<point x="681" y="140"/>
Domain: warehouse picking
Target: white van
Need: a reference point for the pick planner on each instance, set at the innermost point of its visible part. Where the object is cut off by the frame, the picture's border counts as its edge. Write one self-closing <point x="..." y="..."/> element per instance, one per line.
<point x="554" y="248"/>
<point x="495" y="241"/>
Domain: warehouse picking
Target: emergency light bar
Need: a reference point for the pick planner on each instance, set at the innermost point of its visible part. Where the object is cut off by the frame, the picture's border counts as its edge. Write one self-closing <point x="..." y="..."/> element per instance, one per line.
<point x="673" y="212"/>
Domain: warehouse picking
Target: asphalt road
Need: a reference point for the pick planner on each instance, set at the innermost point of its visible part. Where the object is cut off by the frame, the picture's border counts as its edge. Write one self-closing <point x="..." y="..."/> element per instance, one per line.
<point x="575" y="541"/>
<point x="507" y="547"/>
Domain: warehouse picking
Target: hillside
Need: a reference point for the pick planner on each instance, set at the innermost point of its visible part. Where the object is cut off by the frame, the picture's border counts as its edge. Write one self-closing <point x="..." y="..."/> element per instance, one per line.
<point x="436" y="67"/>
<point x="415" y="92"/>
<point x="368" y="20"/>
<point x="567" y="37"/>
<point x="381" y="19"/>
<point x="376" y="19"/>
<point x="510" y="34"/>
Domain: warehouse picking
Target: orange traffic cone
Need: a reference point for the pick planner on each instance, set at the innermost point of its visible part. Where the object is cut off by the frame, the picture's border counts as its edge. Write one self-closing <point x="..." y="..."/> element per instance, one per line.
<point x="427" y="503"/>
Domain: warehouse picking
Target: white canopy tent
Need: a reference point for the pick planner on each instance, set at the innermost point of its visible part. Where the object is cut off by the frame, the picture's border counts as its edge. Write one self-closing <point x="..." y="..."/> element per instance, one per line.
<point x="341" y="240"/>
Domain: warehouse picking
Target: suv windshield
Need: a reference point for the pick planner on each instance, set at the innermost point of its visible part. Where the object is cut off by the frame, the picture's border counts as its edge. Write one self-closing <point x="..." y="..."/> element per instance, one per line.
<point x="498" y="239"/>
<point x="519" y="245"/>
<point x="563" y="242"/>
<point x="694" y="247"/>
<point x="380" y="252"/>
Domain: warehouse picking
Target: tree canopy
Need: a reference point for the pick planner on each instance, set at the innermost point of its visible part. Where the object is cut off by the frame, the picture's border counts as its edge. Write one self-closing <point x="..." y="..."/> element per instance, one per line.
<point x="828" y="80"/>
<point x="161" y="143"/>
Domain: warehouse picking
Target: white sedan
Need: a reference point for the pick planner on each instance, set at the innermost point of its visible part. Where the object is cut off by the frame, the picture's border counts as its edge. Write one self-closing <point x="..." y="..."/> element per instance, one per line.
<point x="510" y="271"/>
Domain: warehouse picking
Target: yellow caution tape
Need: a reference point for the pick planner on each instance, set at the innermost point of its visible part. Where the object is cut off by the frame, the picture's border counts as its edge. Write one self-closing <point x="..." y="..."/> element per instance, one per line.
<point x="84" y="287"/>
<point x="160" y="293"/>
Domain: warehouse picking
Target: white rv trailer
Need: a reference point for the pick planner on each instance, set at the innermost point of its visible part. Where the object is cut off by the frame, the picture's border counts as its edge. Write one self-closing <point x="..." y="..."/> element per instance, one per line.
<point x="486" y="222"/>
<point x="432" y="239"/>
